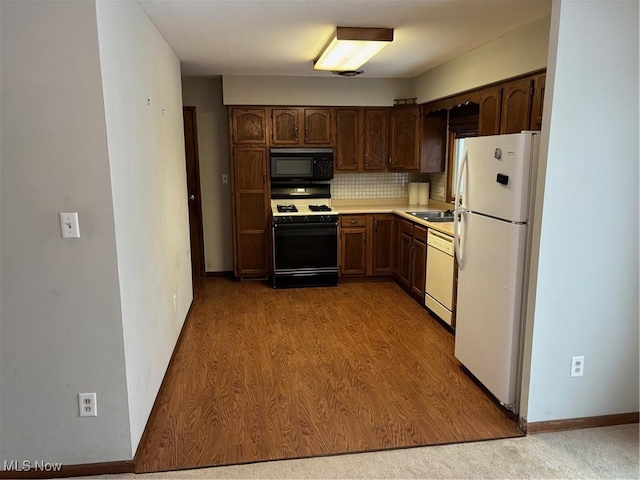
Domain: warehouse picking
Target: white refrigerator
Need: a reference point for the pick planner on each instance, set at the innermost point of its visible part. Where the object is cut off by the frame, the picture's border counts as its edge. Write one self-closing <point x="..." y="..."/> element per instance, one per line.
<point x="494" y="187"/>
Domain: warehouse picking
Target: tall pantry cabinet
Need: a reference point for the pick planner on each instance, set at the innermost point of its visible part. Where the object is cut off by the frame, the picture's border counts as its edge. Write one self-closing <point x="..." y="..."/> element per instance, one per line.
<point x="250" y="191"/>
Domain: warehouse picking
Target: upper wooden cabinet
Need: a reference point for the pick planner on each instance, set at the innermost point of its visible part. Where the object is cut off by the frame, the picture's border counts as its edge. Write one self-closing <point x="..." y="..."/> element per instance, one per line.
<point x="286" y="127"/>
<point x="538" y="102"/>
<point x="516" y="106"/>
<point x="375" y="134"/>
<point x="317" y="126"/>
<point x="490" y="103"/>
<point x="434" y="141"/>
<point x="404" y="138"/>
<point x="249" y="126"/>
<point x="360" y="139"/>
<point x="348" y="146"/>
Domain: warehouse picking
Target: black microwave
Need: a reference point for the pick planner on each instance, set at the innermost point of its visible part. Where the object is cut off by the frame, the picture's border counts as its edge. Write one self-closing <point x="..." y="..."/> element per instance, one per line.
<point x="309" y="164"/>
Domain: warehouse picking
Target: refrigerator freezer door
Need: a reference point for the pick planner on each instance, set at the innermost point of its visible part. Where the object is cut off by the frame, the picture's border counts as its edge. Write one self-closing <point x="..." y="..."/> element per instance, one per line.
<point x="489" y="302"/>
<point x="498" y="174"/>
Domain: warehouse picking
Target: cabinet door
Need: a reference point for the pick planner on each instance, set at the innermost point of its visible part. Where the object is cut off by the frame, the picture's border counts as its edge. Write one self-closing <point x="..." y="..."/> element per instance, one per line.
<point x="317" y="126"/>
<point x="404" y="260"/>
<point x="516" y="107"/>
<point x="384" y="239"/>
<point x="248" y="126"/>
<point x="396" y="242"/>
<point x="347" y="127"/>
<point x="251" y="200"/>
<point x="538" y="102"/>
<point x="418" y="261"/>
<point x="375" y="135"/>
<point x="434" y="142"/>
<point x="284" y="126"/>
<point x="353" y="251"/>
<point x="490" y="103"/>
<point x="404" y="138"/>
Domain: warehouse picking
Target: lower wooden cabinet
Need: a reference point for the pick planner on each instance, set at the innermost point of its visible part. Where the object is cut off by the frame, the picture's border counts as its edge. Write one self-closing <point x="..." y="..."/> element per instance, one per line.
<point x="367" y="245"/>
<point x="412" y="257"/>
<point x="384" y="240"/>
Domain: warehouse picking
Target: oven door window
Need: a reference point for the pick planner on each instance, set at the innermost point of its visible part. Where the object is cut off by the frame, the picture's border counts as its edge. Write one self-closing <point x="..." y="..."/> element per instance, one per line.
<point x="291" y="167"/>
<point x="305" y="246"/>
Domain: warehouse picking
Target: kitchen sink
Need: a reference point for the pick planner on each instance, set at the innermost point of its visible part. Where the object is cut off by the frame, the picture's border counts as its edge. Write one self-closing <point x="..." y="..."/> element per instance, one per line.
<point x="434" y="215"/>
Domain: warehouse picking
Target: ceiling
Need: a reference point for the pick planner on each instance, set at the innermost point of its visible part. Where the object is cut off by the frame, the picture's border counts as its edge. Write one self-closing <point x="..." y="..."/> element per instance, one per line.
<point x="283" y="37"/>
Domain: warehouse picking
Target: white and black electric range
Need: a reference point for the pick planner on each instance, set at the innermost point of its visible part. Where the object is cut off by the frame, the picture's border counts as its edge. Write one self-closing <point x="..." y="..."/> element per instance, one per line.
<point x="305" y="236"/>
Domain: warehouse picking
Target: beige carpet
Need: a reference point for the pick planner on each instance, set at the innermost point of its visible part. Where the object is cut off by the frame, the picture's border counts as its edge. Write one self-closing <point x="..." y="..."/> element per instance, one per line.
<point x="609" y="452"/>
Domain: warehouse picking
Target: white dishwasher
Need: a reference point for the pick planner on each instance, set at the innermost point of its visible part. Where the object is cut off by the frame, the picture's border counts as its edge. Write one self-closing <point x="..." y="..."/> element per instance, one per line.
<point x="440" y="275"/>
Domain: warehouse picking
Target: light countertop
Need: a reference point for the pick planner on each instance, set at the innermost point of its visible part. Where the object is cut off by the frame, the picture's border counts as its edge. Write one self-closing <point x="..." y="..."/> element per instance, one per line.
<point x="396" y="206"/>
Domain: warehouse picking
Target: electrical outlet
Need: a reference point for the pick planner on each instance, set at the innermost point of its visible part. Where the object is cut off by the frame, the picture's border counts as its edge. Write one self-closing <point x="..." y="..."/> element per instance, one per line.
<point x="225" y="178"/>
<point x="440" y="192"/>
<point x="577" y="366"/>
<point x="87" y="406"/>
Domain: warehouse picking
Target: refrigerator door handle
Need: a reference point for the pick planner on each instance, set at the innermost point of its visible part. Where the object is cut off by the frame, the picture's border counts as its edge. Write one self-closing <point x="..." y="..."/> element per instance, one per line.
<point x="459" y="210"/>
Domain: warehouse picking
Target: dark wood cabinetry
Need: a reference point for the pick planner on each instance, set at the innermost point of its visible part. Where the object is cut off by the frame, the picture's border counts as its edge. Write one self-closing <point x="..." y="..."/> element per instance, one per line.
<point x="348" y="142"/>
<point x="360" y="139"/>
<point x="317" y="126"/>
<point x="538" y="102"/>
<point x="404" y="259"/>
<point x="285" y="126"/>
<point x="404" y="138"/>
<point x="418" y="261"/>
<point x="367" y="244"/>
<point x="490" y="105"/>
<point x="434" y="141"/>
<point x="250" y="203"/>
<point x="354" y="258"/>
<point x="516" y="106"/>
<point x="286" y="130"/>
<point x="249" y="126"/>
<point x="412" y="256"/>
<point x="375" y="134"/>
<point x="384" y="240"/>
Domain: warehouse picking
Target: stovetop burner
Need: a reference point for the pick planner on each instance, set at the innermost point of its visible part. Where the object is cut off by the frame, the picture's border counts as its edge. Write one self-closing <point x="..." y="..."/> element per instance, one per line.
<point x="319" y="208"/>
<point x="287" y="208"/>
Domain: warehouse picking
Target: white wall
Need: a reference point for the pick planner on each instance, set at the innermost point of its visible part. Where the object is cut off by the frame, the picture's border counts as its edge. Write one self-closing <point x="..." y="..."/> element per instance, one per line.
<point x="335" y="91"/>
<point x="587" y="273"/>
<point x="521" y="51"/>
<point x="213" y="145"/>
<point x="143" y="106"/>
<point x="60" y="325"/>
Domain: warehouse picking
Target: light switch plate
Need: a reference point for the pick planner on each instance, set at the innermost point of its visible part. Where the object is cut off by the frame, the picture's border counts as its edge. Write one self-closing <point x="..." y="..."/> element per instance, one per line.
<point x="69" y="225"/>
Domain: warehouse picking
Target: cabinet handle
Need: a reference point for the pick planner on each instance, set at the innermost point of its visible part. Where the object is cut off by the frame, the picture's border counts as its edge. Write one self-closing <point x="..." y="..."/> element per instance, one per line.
<point x="296" y="133"/>
<point x="306" y="135"/>
<point x="375" y="226"/>
<point x="264" y="178"/>
<point x="389" y="159"/>
<point x="353" y="222"/>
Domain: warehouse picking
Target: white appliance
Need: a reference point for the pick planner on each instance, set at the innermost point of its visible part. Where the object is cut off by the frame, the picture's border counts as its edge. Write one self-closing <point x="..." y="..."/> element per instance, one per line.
<point x="494" y="188"/>
<point x="440" y="272"/>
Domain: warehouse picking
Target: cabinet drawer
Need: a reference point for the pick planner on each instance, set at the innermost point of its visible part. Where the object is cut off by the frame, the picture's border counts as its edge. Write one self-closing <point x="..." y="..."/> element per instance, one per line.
<point x="407" y="227"/>
<point x="420" y="233"/>
<point x="353" y="220"/>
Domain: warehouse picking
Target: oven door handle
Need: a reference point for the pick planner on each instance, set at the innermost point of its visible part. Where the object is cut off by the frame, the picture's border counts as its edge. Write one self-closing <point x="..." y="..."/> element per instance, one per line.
<point x="305" y="226"/>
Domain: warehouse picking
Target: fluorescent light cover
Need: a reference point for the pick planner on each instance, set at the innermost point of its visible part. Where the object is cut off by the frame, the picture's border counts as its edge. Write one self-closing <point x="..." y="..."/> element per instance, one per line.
<point x="352" y="47"/>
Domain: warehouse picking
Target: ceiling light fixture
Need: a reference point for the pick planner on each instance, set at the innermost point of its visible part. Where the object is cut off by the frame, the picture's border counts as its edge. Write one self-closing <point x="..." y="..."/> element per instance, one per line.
<point x="352" y="47"/>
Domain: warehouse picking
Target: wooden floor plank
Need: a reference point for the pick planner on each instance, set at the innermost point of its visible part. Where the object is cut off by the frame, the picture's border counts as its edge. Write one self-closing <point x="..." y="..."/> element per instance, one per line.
<point x="264" y="374"/>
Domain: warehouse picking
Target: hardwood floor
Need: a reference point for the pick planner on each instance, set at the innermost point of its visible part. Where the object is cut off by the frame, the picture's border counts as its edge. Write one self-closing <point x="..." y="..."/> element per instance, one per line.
<point x="263" y="374"/>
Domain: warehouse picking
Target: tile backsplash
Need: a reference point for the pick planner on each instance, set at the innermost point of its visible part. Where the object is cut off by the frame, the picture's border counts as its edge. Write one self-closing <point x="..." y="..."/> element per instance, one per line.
<point x="374" y="185"/>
